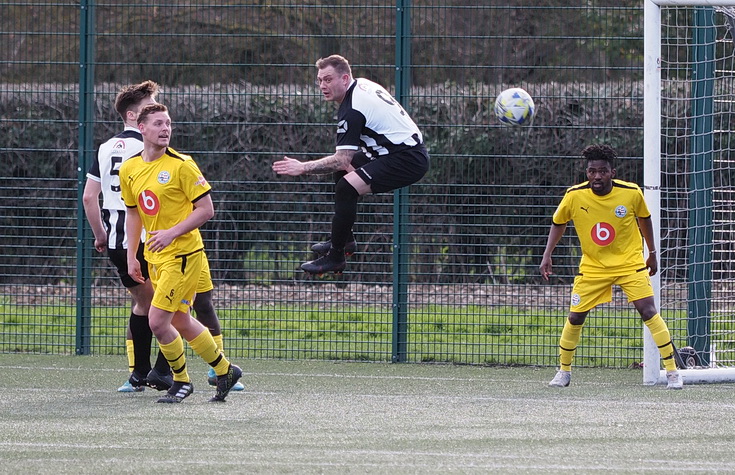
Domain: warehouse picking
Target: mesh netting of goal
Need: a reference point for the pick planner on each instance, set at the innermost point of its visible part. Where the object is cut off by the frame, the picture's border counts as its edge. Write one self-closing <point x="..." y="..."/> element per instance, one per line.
<point x="697" y="186"/>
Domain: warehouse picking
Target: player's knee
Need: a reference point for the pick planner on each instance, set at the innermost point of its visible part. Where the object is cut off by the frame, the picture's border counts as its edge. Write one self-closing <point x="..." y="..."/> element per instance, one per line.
<point x="647" y="314"/>
<point x="158" y="326"/>
<point x="576" y="318"/>
<point x="646" y="308"/>
<point x="204" y="312"/>
<point x="203" y="303"/>
<point x="344" y="191"/>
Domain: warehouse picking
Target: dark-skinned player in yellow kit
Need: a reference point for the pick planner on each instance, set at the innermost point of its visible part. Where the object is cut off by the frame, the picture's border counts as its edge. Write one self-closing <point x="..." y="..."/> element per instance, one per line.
<point x="609" y="217"/>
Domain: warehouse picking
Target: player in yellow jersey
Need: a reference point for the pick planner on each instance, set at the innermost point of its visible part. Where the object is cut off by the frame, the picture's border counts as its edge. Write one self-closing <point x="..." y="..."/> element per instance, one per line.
<point x="609" y="217"/>
<point x="166" y="194"/>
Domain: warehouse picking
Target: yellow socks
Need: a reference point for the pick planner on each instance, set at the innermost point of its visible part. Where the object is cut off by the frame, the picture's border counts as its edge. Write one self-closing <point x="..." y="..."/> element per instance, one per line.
<point x="662" y="338"/>
<point x="130" y="350"/>
<point x="568" y="344"/>
<point x="174" y="353"/>
<point x="205" y="346"/>
<point x="218" y="340"/>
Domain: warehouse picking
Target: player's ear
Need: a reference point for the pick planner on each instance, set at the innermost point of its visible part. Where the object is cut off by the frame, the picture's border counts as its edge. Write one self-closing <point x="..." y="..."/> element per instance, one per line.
<point x="612" y="173"/>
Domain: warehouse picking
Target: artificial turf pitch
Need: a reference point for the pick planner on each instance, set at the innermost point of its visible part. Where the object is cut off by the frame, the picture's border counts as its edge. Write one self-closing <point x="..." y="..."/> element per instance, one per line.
<point x="62" y="414"/>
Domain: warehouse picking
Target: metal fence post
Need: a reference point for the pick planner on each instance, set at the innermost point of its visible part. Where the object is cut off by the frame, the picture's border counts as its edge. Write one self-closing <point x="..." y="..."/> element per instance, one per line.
<point x="86" y="148"/>
<point x="401" y="248"/>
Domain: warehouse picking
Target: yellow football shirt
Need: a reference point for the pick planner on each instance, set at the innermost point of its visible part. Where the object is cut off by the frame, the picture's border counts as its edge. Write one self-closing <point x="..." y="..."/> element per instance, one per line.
<point x="163" y="191"/>
<point x="607" y="227"/>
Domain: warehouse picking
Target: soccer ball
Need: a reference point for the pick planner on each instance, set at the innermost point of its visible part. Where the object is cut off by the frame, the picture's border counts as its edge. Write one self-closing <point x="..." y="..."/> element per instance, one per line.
<point x="514" y="106"/>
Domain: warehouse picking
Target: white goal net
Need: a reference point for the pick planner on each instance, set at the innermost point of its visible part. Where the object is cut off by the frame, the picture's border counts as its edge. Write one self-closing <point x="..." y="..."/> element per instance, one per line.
<point x="696" y="180"/>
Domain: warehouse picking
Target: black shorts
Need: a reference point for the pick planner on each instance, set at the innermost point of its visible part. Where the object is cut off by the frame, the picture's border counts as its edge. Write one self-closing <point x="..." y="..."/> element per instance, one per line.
<point x="392" y="171"/>
<point x="119" y="258"/>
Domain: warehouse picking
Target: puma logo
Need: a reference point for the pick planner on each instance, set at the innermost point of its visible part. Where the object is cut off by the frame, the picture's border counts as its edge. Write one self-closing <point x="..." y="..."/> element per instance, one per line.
<point x="586" y="210"/>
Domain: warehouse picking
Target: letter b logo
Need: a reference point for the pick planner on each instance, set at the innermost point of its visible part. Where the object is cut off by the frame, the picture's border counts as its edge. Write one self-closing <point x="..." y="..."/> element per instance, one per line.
<point x="148" y="202"/>
<point x="603" y="234"/>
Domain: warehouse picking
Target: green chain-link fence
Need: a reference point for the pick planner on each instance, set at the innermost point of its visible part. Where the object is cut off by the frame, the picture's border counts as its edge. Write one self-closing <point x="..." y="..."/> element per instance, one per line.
<point x="455" y="280"/>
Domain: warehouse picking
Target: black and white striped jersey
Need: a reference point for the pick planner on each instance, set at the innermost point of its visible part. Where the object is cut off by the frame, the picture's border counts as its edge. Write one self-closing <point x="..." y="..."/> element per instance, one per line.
<point x="370" y="119"/>
<point x="106" y="170"/>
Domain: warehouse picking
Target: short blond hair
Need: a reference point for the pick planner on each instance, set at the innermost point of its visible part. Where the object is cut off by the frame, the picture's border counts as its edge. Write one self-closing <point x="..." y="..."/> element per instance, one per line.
<point x="339" y="63"/>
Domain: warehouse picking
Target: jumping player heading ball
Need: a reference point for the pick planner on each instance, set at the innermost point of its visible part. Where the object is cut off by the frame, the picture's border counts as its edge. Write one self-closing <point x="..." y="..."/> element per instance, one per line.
<point x="379" y="149"/>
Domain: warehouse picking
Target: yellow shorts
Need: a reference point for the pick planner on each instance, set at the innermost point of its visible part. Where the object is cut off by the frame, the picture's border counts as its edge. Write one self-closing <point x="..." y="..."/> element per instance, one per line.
<point x="205" y="277"/>
<point x="175" y="282"/>
<point x="589" y="292"/>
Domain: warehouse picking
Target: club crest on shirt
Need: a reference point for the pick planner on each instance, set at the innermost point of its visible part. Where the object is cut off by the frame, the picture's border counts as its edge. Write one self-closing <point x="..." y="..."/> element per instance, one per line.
<point x="164" y="177"/>
<point x="119" y="145"/>
<point x="342" y="127"/>
<point x="621" y="211"/>
<point x="576" y="300"/>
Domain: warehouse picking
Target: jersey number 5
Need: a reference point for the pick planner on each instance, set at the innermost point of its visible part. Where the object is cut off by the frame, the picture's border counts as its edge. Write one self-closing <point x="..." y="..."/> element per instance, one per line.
<point x="115" y="162"/>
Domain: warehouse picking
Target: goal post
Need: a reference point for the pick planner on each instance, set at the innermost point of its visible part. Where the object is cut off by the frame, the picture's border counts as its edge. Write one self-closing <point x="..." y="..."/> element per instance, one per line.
<point x="689" y="180"/>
